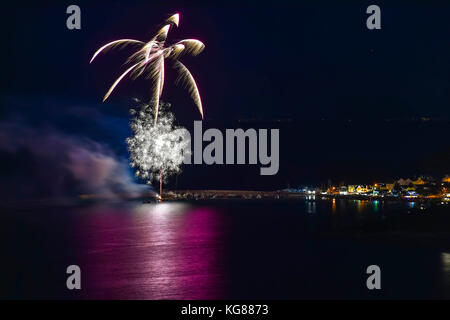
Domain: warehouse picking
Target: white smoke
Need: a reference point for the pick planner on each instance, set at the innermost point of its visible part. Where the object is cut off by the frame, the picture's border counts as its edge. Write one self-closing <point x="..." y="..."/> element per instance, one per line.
<point x="52" y="164"/>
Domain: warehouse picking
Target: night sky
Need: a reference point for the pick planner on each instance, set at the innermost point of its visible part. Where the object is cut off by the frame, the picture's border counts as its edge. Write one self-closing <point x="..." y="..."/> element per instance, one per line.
<point x="348" y="101"/>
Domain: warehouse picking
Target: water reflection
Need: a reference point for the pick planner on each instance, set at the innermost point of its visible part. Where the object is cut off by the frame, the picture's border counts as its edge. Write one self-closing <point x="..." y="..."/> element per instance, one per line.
<point x="311" y="206"/>
<point x="376" y="205"/>
<point x="149" y="251"/>
<point x="362" y="205"/>
<point x="182" y="251"/>
<point x="445" y="262"/>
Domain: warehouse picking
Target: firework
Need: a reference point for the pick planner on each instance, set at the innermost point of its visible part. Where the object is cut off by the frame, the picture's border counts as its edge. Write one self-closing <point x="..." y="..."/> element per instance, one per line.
<point x="156" y="149"/>
<point x="150" y="59"/>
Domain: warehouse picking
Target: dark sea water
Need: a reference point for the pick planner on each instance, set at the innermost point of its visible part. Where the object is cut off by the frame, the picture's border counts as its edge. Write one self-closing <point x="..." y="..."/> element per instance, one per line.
<point x="299" y="249"/>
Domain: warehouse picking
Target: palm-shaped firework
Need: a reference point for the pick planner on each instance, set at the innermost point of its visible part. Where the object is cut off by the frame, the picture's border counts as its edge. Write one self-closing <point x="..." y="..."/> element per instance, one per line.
<point x="150" y="61"/>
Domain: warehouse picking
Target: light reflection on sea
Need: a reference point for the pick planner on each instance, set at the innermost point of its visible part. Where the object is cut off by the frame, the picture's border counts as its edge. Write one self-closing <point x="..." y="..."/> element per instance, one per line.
<point x="312" y="248"/>
<point x="163" y="251"/>
<point x="445" y="258"/>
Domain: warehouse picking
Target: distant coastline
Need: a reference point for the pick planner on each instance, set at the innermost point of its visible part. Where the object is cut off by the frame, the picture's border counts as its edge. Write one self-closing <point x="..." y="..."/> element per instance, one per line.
<point x="280" y="194"/>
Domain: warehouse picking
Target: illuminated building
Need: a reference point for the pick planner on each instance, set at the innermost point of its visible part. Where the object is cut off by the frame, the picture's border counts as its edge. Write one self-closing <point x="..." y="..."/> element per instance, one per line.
<point x="404" y="182"/>
<point x="343" y="190"/>
<point x="418" y="182"/>
<point x="362" y="189"/>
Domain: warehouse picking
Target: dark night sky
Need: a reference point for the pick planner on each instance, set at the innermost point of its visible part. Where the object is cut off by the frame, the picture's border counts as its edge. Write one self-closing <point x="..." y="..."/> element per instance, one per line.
<point x="298" y="60"/>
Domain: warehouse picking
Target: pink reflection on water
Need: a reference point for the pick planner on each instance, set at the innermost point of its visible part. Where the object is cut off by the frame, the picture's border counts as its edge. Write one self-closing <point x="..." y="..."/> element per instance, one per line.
<point x="164" y="251"/>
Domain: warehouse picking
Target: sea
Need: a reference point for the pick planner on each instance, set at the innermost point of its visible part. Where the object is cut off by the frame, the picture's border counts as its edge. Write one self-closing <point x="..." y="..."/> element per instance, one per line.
<point x="226" y="249"/>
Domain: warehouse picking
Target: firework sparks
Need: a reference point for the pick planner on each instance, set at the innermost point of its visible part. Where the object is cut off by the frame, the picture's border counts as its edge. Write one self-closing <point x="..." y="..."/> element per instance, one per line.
<point x="156" y="150"/>
<point x="150" y="59"/>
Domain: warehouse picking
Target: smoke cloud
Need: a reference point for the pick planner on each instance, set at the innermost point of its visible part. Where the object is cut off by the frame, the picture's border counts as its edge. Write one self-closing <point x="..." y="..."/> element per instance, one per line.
<point x="43" y="162"/>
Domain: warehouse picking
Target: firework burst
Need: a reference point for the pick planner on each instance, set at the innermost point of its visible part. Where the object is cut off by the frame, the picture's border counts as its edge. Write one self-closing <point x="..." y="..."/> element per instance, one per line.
<point x="150" y="59"/>
<point x="156" y="149"/>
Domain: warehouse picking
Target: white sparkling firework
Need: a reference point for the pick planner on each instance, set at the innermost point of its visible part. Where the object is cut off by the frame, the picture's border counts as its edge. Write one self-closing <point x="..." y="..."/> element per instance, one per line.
<point x="149" y="60"/>
<point x="156" y="150"/>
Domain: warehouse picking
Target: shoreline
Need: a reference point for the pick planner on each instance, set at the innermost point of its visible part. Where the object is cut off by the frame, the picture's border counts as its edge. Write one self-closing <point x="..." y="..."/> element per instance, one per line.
<point x="199" y="195"/>
<point x="280" y="195"/>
